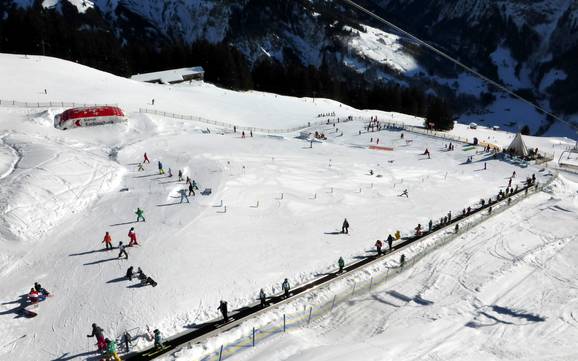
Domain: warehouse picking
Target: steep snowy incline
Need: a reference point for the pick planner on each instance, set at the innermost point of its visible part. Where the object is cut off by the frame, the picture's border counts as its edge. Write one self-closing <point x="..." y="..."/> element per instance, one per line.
<point x="30" y="76"/>
<point x="508" y="290"/>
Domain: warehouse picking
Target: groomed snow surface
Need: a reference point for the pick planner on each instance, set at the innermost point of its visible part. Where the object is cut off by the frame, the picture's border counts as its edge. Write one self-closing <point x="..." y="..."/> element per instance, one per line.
<point x="285" y="201"/>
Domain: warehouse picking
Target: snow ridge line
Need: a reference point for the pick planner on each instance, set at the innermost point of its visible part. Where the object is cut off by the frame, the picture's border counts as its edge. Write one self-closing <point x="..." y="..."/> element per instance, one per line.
<point x="361" y="278"/>
<point x="50" y="104"/>
<point x="242" y="128"/>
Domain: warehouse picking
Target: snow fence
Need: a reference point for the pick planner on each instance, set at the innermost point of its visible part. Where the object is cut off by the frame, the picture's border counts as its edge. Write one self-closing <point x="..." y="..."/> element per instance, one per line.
<point x="52" y="104"/>
<point x="316" y="303"/>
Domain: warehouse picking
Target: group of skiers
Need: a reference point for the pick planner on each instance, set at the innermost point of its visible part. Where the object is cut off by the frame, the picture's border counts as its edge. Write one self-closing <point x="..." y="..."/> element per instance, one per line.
<point x="37" y="293"/>
<point x="105" y="345"/>
<point x="131" y="236"/>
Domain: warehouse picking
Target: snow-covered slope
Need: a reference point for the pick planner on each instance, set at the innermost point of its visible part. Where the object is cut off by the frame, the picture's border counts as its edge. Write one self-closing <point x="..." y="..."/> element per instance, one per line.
<point x="61" y="190"/>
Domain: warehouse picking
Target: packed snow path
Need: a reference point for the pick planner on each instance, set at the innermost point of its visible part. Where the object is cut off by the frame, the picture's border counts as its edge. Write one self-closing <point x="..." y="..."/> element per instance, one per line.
<point x="507" y="290"/>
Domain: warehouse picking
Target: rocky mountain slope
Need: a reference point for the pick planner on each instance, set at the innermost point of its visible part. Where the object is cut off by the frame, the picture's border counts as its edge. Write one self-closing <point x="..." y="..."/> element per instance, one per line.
<point x="530" y="46"/>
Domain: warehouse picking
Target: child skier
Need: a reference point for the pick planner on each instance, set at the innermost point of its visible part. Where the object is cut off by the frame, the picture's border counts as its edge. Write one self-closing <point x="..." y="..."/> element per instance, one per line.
<point x="180" y="175"/>
<point x="263" y="298"/>
<point x="33" y="296"/>
<point x="345" y="227"/>
<point x="40" y="289"/>
<point x="122" y="251"/>
<point x="161" y="170"/>
<point x="223" y="308"/>
<point x="191" y="189"/>
<point x="97" y="332"/>
<point x="286" y="287"/>
<point x="183" y="193"/>
<point x="140" y="167"/>
<point x="139" y="215"/>
<point x="158" y="339"/>
<point x="111" y="349"/>
<point x="146" y="158"/>
<point x="390" y="240"/>
<point x="378" y="245"/>
<point x="132" y="237"/>
<point x="107" y="241"/>
<point x="341" y="264"/>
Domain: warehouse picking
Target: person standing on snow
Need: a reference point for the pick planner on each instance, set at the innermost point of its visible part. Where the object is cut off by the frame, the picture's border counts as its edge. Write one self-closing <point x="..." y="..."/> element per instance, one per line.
<point x="107" y="241"/>
<point x="183" y="193"/>
<point x="122" y="250"/>
<point x="180" y="175"/>
<point x="158" y="339"/>
<point x="378" y="245"/>
<point x="161" y="170"/>
<point x="97" y="332"/>
<point x="286" y="287"/>
<point x="111" y="349"/>
<point x="139" y="215"/>
<point x="223" y="308"/>
<point x="194" y="184"/>
<point x="390" y="241"/>
<point x="130" y="273"/>
<point x="132" y="237"/>
<point x="170" y="175"/>
<point x="402" y="261"/>
<point x="430" y="225"/>
<point x="341" y="264"/>
<point x="146" y="158"/>
<point x="397" y="235"/>
<point x="191" y="189"/>
<point x="345" y="227"/>
<point x="263" y="298"/>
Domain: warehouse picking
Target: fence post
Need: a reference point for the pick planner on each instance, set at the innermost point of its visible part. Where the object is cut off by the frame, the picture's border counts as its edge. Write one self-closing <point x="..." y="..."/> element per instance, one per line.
<point x="221" y="353"/>
<point x="333" y="303"/>
<point x="284" y="323"/>
<point x="253" y="336"/>
<point x="310" y="312"/>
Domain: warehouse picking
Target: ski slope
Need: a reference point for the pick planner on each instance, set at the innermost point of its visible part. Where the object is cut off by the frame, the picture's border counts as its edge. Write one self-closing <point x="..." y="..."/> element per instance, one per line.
<point x="275" y="209"/>
<point x="504" y="291"/>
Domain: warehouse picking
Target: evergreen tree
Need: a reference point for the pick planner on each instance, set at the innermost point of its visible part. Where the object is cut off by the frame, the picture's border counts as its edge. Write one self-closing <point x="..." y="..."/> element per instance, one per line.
<point x="439" y="114"/>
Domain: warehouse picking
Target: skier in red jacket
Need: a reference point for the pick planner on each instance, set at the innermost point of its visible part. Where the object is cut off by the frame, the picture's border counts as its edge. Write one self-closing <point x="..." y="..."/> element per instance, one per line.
<point x="107" y="241"/>
<point x="132" y="237"/>
<point x="146" y="159"/>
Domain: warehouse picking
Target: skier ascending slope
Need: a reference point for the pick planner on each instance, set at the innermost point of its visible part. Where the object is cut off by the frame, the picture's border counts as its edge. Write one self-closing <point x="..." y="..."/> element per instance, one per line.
<point x="223" y="308"/>
<point x="286" y="287"/>
<point x="132" y="237"/>
<point x="122" y="250"/>
<point x="97" y="332"/>
<point x="146" y="158"/>
<point x="139" y="215"/>
<point x="111" y="351"/>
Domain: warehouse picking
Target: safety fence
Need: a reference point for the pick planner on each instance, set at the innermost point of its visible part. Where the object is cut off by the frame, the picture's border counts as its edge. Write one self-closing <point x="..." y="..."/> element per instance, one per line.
<point x="228" y="125"/>
<point x="360" y="282"/>
<point x="50" y="104"/>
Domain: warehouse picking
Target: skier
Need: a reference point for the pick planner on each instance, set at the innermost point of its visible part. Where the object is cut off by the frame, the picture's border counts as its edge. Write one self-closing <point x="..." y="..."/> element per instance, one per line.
<point x="170" y="175"/>
<point x="107" y="241"/>
<point x="111" y="349"/>
<point x="158" y="339"/>
<point x="122" y="250"/>
<point x="402" y="260"/>
<point x="33" y="296"/>
<point x="140" y="167"/>
<point x="404" y="193"/>
<point x="418" y="230"/>
<point x="286" y="287"/>
<point x="510" y="183"/>
<point x="146" y="158"/>
<point x="139" y="215"/>
<point x="263" y="298"/>
<point x="127" y="341"/>
<point x="153" y="101"/>
<point x="397" y="235"/>
<point x="130" y="273"/>
<point x="132" y="237"/>
<point x="345" y="227"/>
<point x="180" y="175"/>
<point x="449" y="216"/>
<point x="188" y="181"/>
<point x="430" y="225"/>
<point x="378" y="245"/>
<point x="243" y="134"/>
<point x="401" y="135"/>
<point x="390" y="240"/>
<point x="341" y="264"/>
<point x="485" y="165"/>
<point x="457" y="227"/>
<point x="191" y="189"/>
<point x="194" y="184"/>
<point x="161" y="170"/>
<point x="514" y="174"/>
<point x="251" y="133"/>
<point x="97" y="332"/>
<point x="223" y="308"/>
<point x="41" y="290"/>
<point x="183" y="193"/>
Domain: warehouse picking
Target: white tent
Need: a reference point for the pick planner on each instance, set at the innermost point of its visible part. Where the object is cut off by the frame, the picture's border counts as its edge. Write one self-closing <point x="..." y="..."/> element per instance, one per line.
<point x="518" y="147"/>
